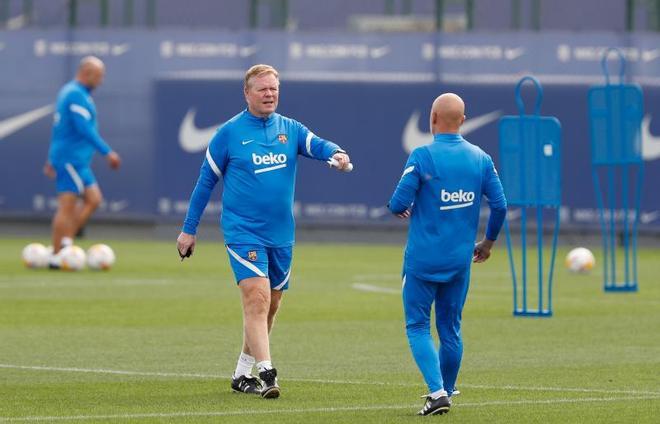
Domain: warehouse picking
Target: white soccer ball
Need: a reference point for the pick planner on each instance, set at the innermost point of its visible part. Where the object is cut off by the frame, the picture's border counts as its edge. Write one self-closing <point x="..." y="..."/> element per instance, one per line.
<point x="72" y="258"/>
<point x="100" y="256"/>
<point x="580" y="259"/>
<point x="35" y="255"/>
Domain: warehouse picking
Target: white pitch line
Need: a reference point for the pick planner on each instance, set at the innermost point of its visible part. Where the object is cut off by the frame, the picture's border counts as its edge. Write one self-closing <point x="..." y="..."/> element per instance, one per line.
<point x="375" y="289"/>
<point x="561" y="389"/>
<point x="322" y="381"/>
<point x="553" y="401"/>
<point x="108" y="371"/>
<point x="107" y="283"/>
<point x="312" y="410"/>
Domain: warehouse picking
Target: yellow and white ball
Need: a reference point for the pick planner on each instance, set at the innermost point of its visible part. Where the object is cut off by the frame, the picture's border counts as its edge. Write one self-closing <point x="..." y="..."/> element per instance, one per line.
<point x="580" y="259"/>
<point x="35" y="255"/>
<point x="100" y="256"/>
<point x="72" y="258"/>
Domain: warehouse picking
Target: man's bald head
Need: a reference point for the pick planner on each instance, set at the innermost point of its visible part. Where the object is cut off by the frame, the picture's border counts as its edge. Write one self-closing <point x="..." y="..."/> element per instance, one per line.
<point x="91" y="72"/>
<point x="447" y="114"/>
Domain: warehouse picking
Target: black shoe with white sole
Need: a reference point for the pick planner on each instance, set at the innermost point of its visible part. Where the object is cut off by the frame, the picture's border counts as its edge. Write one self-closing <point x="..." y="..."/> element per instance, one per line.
<point x="270" y="388"/>
<point x="437" y="406"/>
<point x="246" y="384"/>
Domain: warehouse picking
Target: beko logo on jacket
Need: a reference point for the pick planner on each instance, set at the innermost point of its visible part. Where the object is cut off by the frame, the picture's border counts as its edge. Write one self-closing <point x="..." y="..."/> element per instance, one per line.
<point x="275" y="161"/>
<point x="269" y="159"/>
<point x="460" y="199"/>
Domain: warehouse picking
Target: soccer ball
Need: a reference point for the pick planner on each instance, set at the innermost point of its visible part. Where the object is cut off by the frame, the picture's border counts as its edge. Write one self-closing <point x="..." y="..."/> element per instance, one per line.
<point x="35" y="255"/>
<point x="73" y="258"/>
<point x="100" y="256"/>
<point x="580" y="259"/>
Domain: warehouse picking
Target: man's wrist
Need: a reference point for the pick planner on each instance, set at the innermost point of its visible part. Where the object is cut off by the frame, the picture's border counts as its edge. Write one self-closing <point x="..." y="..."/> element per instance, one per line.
<point x="189" y="231"/>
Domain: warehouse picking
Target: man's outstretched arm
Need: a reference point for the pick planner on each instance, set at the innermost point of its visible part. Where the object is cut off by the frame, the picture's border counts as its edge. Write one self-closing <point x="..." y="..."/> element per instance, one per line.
<point x="315" y="147"/>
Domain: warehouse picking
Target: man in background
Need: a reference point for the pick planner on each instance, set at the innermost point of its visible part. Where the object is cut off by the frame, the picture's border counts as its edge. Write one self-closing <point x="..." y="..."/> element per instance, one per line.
<point x="256" y="153"/>
<point x="440" y="190"/>
<point x="75" y="139"/>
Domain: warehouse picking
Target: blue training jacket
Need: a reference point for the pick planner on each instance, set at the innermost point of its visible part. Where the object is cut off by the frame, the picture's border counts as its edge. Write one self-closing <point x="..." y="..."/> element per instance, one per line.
<point x="257" y="159"/>
<point x="75" y="135"/>
<point x="443" y="183"/>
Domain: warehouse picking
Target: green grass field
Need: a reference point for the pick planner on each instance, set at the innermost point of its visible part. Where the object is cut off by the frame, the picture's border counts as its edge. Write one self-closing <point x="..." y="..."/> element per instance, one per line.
<point x="155" y="340"/>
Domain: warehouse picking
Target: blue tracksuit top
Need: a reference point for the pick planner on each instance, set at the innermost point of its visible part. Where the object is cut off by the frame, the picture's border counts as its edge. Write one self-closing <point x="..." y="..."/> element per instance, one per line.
<point x="75" y="135"/>
<point x="257" y="159"/>
<point x="443" y="183"/>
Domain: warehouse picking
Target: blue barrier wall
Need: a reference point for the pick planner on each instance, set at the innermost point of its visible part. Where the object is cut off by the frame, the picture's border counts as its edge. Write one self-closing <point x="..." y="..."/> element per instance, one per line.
<point x="306" y="15"/>
<point x="369" y="93"/>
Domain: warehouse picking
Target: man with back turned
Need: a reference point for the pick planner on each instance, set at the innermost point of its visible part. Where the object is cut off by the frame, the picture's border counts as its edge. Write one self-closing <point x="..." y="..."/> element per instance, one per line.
<point x="440" y="190"/>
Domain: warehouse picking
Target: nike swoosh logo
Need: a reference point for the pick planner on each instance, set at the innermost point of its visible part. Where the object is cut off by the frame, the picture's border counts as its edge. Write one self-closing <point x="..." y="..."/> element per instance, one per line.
<point x="650" y="142"/>
<point x="414" y="138"/>
<point x="246" y="51"/>
<point x="380" y="212"/>
<point x="244" y="142"/>
<point x="120" y="49"/>
<point x="117" y="205"/>
<point x="514" y="53"/>
<point x="378" y="52"/>
<point x="650" y="55"/>
<point x="16" y="123"/>
<point x="191" y="138"/>
<point x="648" y="217"/>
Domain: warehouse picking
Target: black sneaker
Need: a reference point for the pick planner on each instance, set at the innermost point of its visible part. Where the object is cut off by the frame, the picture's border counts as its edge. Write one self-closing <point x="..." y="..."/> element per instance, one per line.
<point x="245" y="384"/>
<point x="435" y="406"/>
<point x="270" y="388"/>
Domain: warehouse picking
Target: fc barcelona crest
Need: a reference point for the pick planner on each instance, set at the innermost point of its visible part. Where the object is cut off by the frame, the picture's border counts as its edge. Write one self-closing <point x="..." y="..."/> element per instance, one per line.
<point x="252" y="255"/>
<point x="282" y="138"/>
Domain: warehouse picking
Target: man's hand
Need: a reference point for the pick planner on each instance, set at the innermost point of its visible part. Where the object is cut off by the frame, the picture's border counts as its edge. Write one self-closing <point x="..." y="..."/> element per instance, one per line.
<point x="403" y="215"/>
<point x="482" y="250"/>
<point x="113" y="160"/>
<point x="342" y="160"/>
<point x="49" y="171"/>
<point x="185" y="244"/>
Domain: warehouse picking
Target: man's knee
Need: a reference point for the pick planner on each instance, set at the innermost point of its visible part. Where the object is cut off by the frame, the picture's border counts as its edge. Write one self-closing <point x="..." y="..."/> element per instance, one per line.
<point x="257" y="304"/>
<point x="275" y="300"/>
<point x="93" y="198"/>
<point x="256" y="299"/>
<point x="272" y="311"/>
<point x="449" y="332"/>
<point x="418" y="328"/>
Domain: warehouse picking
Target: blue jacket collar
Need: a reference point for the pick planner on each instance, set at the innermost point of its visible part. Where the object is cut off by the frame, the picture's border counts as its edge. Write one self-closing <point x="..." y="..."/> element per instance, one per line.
<point x="259" y="120"/>
<point x="448" y="137"/>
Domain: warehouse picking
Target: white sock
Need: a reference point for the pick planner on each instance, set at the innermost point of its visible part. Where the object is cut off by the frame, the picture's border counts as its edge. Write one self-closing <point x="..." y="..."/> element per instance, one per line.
<point x="244" y="365"/>
<point x="55" y="259"/>
<point x="264" y="366"/>
<point x="438" y="393"/>
<point x="66" y="241"/>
